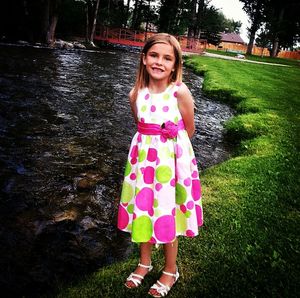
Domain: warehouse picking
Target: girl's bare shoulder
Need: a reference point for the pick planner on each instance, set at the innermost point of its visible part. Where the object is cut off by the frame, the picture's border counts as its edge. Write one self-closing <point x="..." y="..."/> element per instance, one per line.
<point x="183" y="92"/>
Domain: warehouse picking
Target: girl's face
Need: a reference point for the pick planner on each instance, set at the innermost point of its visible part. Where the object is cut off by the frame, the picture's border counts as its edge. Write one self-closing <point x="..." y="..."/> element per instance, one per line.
<point x="160" y="62"/>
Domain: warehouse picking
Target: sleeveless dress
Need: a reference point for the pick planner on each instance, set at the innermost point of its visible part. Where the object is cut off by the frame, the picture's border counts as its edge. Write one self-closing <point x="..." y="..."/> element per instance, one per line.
<point x="161" y="192"/>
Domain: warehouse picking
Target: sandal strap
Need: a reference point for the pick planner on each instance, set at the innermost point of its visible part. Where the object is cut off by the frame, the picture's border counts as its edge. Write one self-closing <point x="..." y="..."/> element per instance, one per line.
<point x="149" y="267"/>
<point x="175" y="275"/>
<point x="133" y="277"/>
<point x="161" y="289"/>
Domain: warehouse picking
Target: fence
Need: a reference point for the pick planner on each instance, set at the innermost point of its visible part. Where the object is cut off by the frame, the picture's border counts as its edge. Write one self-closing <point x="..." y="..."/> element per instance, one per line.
<point x="137" y="38"/>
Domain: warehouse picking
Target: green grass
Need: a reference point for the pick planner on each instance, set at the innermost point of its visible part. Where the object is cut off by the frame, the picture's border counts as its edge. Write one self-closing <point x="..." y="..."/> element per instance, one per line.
<point x="291" y="62"/>
<point x="249" y="246"/>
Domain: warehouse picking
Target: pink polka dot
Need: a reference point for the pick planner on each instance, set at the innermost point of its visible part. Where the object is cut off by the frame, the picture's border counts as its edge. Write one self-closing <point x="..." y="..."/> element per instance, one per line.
<point x="174" y="211"/>
<point x="164" y="228"/>
<point x="139" y="138"/>
<point x="183" y="208"/>
<point x="157" y="161"/>
<point x="144" y="199"/>
<point x="142" y="170"/>
<point x="125" y="204"/>
<point x="123" y="218"/>
<point x="196" y="189"/>
<point x="175" y="94"/>
<point x="194" y="161"/>
<point x="147" y="96"/>
<point x="134" y="151"/>
<point x="151" y="212"/>
<point x="190" y="233"/>
<point x="153" y="108"/>
<point x="199" y="215"/>
<point x="195" y="174"/>
<point x="173" y="182"/>
<point x="133" y="161"/>
<point x="178" y="151"/>
<point x="134" y="216"/>
<point x="142" y="119"/>
<point x="158" y="186"/>
<point x="149" y="175"/>
<point x="190" y="205"/>
<point x="133" y="176"/>
<point x="152" y="154"/>
<point x="152" y="240"/>
<point x="165" y="108"/>
<point x="187" y="181"/>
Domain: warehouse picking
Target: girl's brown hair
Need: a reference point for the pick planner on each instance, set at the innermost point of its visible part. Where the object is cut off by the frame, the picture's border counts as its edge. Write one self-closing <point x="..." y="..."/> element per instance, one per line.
<point x="142" y="79"/>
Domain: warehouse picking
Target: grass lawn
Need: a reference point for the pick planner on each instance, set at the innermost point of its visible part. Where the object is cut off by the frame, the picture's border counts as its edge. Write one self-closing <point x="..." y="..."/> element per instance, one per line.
<point x="249" y="246"/>
<point x="291" y="62"/>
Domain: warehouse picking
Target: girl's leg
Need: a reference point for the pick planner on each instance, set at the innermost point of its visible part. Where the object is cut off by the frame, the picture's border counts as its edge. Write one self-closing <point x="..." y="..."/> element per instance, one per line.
<point x="145" y="259"/>
<point x="170" y="251"/>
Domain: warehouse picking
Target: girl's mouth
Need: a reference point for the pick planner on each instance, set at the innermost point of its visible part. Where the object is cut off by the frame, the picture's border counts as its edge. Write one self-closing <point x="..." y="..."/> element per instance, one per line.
<point x="156" y="69"/>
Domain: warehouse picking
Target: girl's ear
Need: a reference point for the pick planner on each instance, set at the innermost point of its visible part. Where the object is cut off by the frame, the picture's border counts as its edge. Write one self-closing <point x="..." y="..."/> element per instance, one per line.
<point x="144" y="59"/>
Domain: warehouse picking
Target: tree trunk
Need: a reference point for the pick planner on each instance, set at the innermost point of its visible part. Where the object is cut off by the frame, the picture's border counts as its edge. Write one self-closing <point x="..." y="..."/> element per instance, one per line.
<point x="251" y="41"/>
<point x="87" y="24"/>
<point x="127" y="13"/>
<point x="53" y="21"/>
<point x="275" y="45"/>
<point x="51" y="31"/>
<point x="94" y="22"/>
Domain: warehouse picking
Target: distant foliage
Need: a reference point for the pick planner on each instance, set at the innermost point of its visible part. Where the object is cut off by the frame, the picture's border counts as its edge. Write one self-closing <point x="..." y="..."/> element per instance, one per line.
<point x="34" y="19"/>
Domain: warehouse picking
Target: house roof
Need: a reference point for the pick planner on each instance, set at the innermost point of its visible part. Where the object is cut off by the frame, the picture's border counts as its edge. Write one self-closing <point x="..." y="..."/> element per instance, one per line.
<point x="231" y="37"/>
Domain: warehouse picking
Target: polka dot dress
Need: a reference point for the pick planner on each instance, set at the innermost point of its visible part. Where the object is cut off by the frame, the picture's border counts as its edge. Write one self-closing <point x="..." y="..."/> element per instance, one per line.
<point x="161" y="193"/>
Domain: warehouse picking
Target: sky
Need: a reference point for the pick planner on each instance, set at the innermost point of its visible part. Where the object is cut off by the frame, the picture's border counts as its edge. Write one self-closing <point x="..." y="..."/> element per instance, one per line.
<point x="233" y="9"/>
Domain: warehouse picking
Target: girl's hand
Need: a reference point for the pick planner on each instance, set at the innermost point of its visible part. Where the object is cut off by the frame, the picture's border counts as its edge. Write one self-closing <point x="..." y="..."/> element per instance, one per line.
<point x="132" y="100"/>
<point x="186" y="108"/>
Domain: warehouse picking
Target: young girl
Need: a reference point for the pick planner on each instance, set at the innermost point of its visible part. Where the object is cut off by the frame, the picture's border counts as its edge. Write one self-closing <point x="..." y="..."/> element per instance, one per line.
<point x="161" y="194"/>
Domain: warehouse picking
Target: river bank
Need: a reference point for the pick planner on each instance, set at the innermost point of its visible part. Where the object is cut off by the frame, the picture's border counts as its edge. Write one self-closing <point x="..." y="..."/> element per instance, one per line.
<point x="249" y="246"/>
<point x="65" y="129"/>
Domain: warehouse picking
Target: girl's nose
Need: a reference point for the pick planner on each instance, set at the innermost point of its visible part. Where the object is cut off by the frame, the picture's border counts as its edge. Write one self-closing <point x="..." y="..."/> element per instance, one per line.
<point x="159" y="60"/>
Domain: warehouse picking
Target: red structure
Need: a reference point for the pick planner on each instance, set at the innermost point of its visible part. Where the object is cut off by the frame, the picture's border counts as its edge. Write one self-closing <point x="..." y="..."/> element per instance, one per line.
<point x="137" y="38"/>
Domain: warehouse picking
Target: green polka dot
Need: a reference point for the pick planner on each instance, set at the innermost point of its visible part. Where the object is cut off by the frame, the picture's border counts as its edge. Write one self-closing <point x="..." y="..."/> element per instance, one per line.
<point x="166" y="96"/>
<point x="191" y="151"/>
<point x="148" y="140"/>
<point x="130" y="208"/>
<point x="142" y="155"/>
<point x="144" y="108"/>
<point x="181" y="222"/>
<point x="180" y="194"/>
<point x="176" y="120"/>
<point x="172" y="154"/>
<point x="127" y="192"/>
<point x="188" y="214"/>
<point x="163" y="174"/>
<point x="129" y="227"/>
<point x="164" y="153"/>
<point x="142" y="229"/>
<point x="137" y="190"/>
<point x="155" y="204"/>
<point x="127" y="168"/>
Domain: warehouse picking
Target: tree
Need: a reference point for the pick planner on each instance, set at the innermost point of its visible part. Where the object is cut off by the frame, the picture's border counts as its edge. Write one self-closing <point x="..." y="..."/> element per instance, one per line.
<point x="263" y="40"/>
<point x="256" y="12"/>
<point x="282" y="24"/>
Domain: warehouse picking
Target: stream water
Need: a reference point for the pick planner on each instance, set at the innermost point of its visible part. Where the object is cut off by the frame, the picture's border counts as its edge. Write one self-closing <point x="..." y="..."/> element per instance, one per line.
<point x="65" y="129"/>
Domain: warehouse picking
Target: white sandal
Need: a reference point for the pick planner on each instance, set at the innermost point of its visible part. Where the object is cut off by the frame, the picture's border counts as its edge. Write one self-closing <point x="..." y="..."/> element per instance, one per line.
<point x="136" y="278"/>
<point x="162" y="289"/>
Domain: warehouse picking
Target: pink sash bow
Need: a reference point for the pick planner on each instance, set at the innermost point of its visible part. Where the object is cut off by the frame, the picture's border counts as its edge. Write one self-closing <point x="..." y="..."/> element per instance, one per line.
<point x="168" y="130"/>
